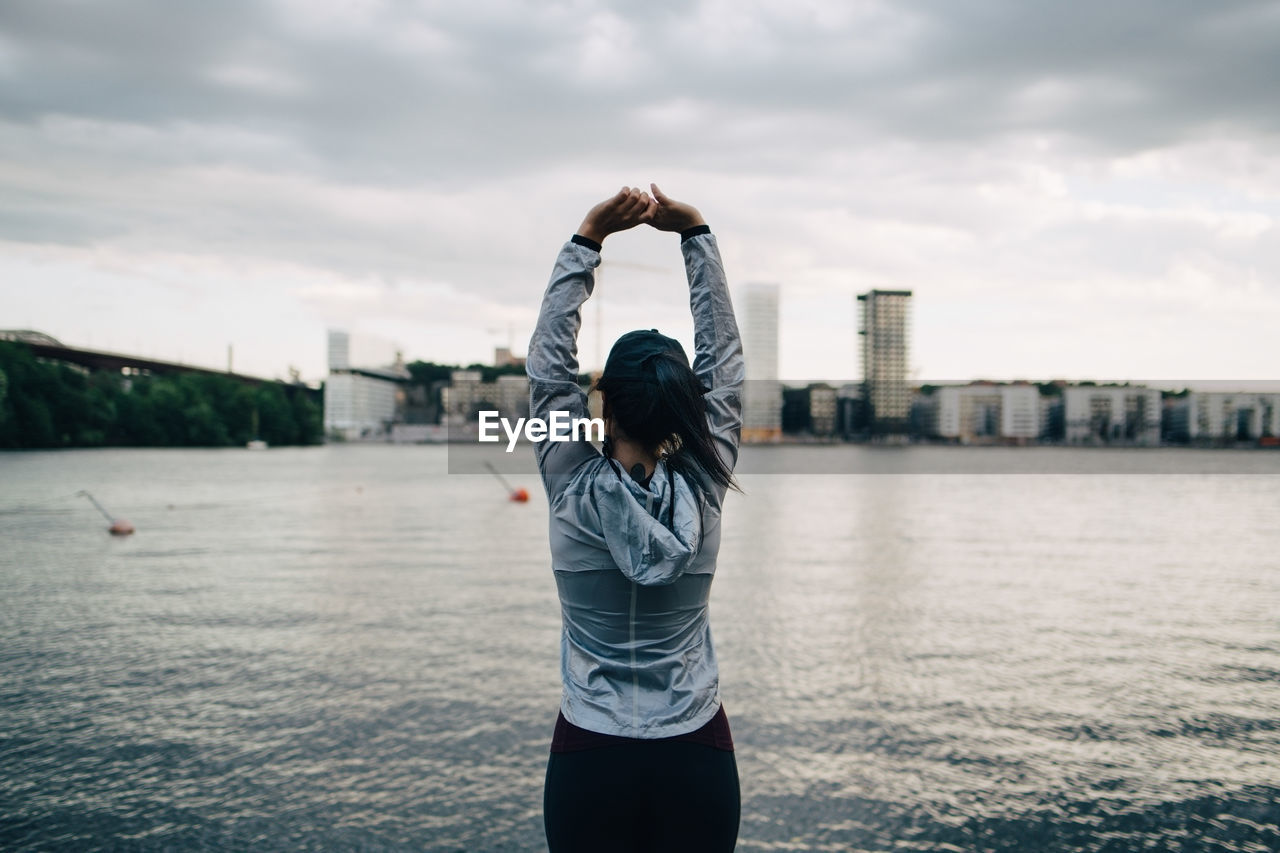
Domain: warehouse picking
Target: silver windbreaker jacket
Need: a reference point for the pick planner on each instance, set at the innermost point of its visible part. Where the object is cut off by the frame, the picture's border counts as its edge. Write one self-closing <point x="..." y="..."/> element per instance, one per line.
<point x="634" y="569"/>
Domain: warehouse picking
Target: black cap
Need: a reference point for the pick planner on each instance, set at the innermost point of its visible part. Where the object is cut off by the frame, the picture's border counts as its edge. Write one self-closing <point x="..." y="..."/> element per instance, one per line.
<point x="630" y="355"/>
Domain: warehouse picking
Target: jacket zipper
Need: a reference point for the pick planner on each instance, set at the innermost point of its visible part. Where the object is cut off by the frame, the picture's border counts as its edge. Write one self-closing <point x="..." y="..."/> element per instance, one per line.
<point x="631" y="637"/>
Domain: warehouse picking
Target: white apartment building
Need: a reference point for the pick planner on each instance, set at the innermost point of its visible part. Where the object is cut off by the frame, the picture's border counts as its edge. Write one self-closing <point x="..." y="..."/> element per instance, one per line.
<point x="1225" y="416"/>
<point x="1020" y="411"/>
<point x="762" y="395"/>
<point x="359" y="403"/>
<point x="969" y="412"/>
<point x="1100" y="414"/>
<point x="358" y="406"/>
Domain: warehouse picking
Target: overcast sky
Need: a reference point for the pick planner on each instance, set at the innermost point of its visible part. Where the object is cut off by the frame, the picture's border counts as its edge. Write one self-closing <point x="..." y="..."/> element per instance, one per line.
<point x="1086" y="190"/>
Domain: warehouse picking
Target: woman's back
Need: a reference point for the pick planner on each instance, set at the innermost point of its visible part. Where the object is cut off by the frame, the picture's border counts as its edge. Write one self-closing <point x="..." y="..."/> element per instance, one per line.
<point x="642" y="757"/>
<point x="637" y="654"/>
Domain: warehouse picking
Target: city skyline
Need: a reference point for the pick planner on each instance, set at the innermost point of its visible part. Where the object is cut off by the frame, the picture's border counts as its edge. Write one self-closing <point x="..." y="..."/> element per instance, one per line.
<point x="372" y="361"/>
<point x="1082" y="192"/>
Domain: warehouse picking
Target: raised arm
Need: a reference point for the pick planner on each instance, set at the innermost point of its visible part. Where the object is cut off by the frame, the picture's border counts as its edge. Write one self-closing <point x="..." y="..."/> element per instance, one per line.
<point x="717" y="345"/>
<point x="552" y="363"/>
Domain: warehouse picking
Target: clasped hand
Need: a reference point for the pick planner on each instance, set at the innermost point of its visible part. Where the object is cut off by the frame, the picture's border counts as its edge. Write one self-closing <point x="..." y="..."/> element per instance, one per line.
<point x="631" y="207"/>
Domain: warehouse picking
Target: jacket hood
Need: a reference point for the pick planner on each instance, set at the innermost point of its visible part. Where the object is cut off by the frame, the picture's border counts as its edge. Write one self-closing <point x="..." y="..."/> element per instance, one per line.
<point x="651" y="543"/>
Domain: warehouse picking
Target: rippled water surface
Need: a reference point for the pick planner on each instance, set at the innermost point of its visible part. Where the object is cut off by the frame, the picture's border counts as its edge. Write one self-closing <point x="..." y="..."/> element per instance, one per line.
<point x="348" y="648"/>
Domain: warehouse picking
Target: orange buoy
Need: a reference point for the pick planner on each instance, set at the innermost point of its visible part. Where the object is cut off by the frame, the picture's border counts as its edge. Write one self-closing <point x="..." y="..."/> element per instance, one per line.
<point x="120" y="527"/>
<point x="517" y="495"/>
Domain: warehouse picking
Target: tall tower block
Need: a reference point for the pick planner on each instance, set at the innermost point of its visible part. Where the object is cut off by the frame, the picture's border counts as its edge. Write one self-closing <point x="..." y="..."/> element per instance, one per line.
<point x="762" y="396"/>
<point x="339" y="350"/>
<point x="884" y="324"/>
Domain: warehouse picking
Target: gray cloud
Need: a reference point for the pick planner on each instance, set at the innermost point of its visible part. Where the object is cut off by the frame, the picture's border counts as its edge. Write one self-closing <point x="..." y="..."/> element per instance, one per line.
<point x="848" y="144"/>
<point x="440" y="92"/>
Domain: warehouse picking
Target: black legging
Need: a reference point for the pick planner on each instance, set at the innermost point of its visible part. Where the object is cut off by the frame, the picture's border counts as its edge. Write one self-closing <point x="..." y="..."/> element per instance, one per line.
<point x="661" y="796"/>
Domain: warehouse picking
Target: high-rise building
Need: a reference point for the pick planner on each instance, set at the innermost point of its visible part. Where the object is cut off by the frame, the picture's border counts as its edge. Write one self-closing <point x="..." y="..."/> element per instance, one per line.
<point x="762" y="395"/>
<point x="884" y="324"/>
<point x="339" y="350"/>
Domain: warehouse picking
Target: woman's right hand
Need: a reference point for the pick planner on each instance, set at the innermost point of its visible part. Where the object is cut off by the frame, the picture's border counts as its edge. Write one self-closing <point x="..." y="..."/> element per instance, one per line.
<point x="672" y="215"/>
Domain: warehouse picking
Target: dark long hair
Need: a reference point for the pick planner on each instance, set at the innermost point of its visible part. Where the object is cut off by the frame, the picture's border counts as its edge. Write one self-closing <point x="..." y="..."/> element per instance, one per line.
<point x="665" y="413"/>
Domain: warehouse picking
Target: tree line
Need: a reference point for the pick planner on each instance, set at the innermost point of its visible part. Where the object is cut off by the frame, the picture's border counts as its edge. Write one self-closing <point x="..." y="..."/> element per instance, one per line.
<point x="45" y="404"/>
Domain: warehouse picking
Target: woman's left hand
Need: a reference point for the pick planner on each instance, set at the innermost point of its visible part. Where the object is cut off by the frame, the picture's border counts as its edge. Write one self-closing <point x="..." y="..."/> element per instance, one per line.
<point x="629" y="208"/>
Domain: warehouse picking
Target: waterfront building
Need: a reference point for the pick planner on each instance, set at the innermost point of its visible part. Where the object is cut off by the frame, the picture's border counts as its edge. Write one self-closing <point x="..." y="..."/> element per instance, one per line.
<point x="1052" y="412"/>
<point x="810" y="410"/>
<point x="884" y="324"/>
<point x="467" y="395"/>
<point x="1128" y="414"/>
<point x="1224" y="416"/>
<point x="968" y="412"/>
<point x="511" y="393"/>
<point x="1020" y="411"/>
<point x="923" y="417"/>
<point x="357" y="406"/>
<point x="987" y="411"/>
<point x="464" y="396"/>
<point x="360" y="402"/>
<point x="849" y="419"/>
<point x="822" y="409"/>
<point x="762" y="395"/>
<point x="795" y="410"/>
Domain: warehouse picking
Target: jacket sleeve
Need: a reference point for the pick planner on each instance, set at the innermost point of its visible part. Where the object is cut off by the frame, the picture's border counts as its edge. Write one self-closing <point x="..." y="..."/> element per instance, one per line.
<point x="552" y="363"/>
<point x="717" y="344"/>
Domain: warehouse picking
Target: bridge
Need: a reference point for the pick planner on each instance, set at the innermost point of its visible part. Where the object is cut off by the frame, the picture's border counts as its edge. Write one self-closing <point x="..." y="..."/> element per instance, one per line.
<point x="46" y="346"/>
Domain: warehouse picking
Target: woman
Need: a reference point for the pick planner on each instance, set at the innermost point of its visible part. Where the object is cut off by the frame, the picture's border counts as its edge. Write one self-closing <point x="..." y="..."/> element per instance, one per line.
<point x="641" y="757"/>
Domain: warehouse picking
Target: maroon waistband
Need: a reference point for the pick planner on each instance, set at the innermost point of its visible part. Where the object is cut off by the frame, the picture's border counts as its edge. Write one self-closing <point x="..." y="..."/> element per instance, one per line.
<point x="570" y="738"/>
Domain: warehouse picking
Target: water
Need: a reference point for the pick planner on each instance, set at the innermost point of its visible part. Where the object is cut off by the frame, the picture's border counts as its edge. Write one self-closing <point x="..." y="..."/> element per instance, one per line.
<point x="347" y="648"/>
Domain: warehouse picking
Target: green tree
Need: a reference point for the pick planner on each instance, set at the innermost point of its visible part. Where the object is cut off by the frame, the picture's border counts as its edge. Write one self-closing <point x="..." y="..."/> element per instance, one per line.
<point x="426" y="372"/>
<point x="35" y="422"/>
<point x="275" y="415"/>
<point x="4" y="401"/>
<point x="308" y="416"/>
<point x="203" y="427"/>
<point x="48" y="404"/>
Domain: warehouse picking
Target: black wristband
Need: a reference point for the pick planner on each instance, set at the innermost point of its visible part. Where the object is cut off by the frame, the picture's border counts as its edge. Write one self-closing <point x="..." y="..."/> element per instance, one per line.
<point x="694" y="232"/>
<point x="585" y="241"/>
